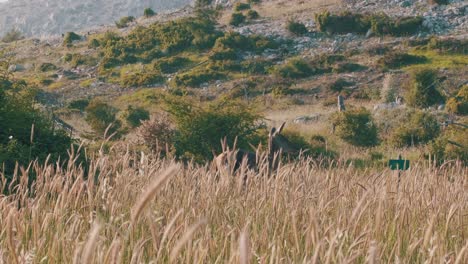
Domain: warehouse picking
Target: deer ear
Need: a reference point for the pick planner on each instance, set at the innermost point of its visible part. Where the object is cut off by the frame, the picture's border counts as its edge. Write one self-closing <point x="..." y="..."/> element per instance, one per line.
<point x="281" y="128"/>
<point x="272" y="132"/>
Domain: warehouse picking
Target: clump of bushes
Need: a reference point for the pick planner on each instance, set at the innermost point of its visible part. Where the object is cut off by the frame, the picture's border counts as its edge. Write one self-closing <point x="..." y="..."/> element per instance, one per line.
<point x="76" y="60"/>
<point x="140" y="78"/>
<point x="70" y="37"/>
<point x="423" y="89"/>
<point x="449" y="45"/>
<point x="396" y="60"/>
<point x="380" y="24"/>
<point x="296" y="28"/>
<point x="170" y="65"/>
<point x="295" y="68"/>
<point x="148" y="12"/>
<point x="452" y="144"/>
<point x="47" y="66"/>
<point x="135" y="115"/>
<point x="241" y="6"/>
<point x="100" y="116"/>
<point x="252" y="14"/>
<point x="199" y="129"/>
<point x="198" y="76"/>
<point x="237" y="19"/>
<point x="79" y="104"/>
<point x="420" y="128"/>
<point x="238" y="42"/>
<point x="356" y="127"/>
<point x="124" y="21"/>
<point x="459" y="104"/>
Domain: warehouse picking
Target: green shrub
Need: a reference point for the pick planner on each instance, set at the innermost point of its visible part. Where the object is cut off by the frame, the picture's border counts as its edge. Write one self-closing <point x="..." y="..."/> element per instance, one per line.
<point x="340" y="84"/>
<point x="346" y="22"/>
<point x="197" y="77"/>
<point x="93" y="43"/>
<point x="356" y="127"/>
<point x="237" y="19"/>
<point x="423" y="89"/>
<point x="252" y="14"/>
<point x="398" y="60"/>
<point x="70" y="37"/>
<point x="449" y="45"/>
<point x="170" y="65"/>
<point x="380" y="24"/>
<point x="452" y="144"/>
<point x="18" y="114"/>
<point x="12" y="36"/>
<point x="295" y="68"/>
<point x="78" y="59"/>
<point x="296" y="28"/>
<point x="237" y="42"/>
<point x="79" y="104"/>
<point x="135" y="115"/>
<point x="124" y="21"/>
<point x="253" y="2"/>
<point x="348" y="67"/>
<point x="46" y="66"/>
<point x="420" y="128"/>
<point x="100" y="116"/>
<point x="148" y="12"/>
<point x="241" y="6"/>
<point x="459" y="103"/>
<point x="140" y="78"/>
<point x="201" y="128"/>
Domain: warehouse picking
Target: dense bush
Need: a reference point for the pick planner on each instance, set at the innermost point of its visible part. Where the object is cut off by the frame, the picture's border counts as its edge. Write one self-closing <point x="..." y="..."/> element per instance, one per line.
<point x="25" y="133"/>
<point x="70" y="37"/>
<point x="79" y="104"/>
<point x="356" y="127"/>
<point x="200" y="129"/>
<point x="148" y="12"/>
<point x="252" y="14"/>
<point x="46" y="66"/>
<point x="239" y="42"/>
<point x="198" y="76"/>
<point x="295" y="68"/>
<point x="171" y="64"/>
<point x="241" y="6"/>
<point x="135" y="115"/>
<point x="100" y="116"/>
<point x="140" y="78"/>
<point x="380" y="24"/>
<point x="423" y="89"/>
<point x="396" y="60"/>
<point x="12" y="35"/>
<point x="237" y="19"/>
<point x="124" y="21"/>
<point x="449" y="45"/>
<point x="452" y="144"/>
<point x="459" y="103"/>
<point x="420" y="128"/>
<point x="296" y="28"/>
<point x="78" y="60"/>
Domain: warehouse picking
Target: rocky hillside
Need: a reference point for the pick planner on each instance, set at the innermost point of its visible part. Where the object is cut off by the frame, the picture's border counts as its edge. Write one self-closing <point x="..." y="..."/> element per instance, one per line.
<point x="49" y="17"/>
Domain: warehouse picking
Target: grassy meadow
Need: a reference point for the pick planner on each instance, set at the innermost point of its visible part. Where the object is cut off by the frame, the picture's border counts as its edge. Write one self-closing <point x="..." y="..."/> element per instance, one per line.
<point x="129" y="208"/>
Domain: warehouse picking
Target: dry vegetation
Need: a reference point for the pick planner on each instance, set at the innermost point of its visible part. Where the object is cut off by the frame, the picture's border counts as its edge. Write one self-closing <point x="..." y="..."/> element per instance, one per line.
<point x="135" y="209"/>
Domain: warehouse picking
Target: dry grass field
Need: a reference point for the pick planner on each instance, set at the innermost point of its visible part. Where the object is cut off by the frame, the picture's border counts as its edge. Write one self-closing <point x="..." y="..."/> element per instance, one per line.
<point x="134" y="209"/>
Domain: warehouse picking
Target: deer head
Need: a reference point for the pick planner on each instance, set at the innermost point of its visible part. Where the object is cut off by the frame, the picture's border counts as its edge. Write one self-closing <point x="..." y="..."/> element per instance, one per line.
<point x="279" y="143"/>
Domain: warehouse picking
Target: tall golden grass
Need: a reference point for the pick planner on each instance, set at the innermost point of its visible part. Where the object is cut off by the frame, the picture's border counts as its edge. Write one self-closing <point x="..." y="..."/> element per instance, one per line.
<point x="131" y="209"/>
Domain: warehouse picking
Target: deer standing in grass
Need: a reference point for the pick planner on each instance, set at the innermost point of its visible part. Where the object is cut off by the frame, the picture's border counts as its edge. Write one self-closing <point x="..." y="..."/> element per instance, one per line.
<point x="231" y="160"/>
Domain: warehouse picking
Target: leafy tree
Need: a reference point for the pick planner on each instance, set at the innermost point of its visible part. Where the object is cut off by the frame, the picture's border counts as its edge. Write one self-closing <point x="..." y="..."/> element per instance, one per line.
<point x="423" y="89"/>
<point x="201" y="128"/>
<point x="100" y="116"/>
<point x="135" y="115"/>
<point x="356" y="127"/>
<point x="420" y="128"/>
<point x="148" y="12"/>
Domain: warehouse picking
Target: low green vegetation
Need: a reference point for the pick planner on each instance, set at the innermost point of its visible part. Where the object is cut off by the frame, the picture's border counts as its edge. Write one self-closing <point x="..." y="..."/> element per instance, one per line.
<point x="237" y="19"/>
<point x="420" y="128"/>
<point x="102" y="118"/>
<point x="380" y="24"/>
<point x="397" y="60"/>
<point x="148" y="12"/>
<point x="12" y="36"/>
<point x="356" y="127"/>
<point x="459" y="103"/>
<point x="296" y="28"/>
<point x="423" y="89"/>
<point x="136" y="115"/>
<point x="70" y="37"/>
<point x="124" y="21"/>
